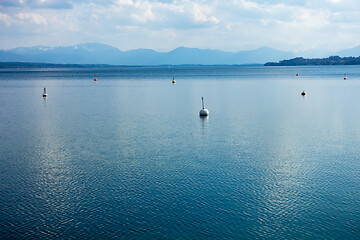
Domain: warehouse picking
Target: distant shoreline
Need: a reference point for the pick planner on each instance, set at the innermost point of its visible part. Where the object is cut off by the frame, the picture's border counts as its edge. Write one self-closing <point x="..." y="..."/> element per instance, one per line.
<point x="48" y="65"/>
<point x="333" y="60"/>
<point x="28" y="65"/>
<point x="299" y="61"/>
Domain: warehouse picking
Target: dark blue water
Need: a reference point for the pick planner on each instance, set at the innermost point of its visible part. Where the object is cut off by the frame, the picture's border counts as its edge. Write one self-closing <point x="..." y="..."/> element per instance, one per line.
<point x="129" y="157"/>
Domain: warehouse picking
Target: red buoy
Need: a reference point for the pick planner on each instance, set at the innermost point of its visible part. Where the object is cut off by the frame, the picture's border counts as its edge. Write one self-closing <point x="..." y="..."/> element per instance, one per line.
<point x="95" y="79"/>
<point x="345" y="78"/>
<point x="297" y="74"/>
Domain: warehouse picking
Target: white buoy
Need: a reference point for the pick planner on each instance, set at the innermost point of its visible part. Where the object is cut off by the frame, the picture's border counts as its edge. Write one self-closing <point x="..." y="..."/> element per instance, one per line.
<point x="203" y="112"/>
<point x="45" y="94"/>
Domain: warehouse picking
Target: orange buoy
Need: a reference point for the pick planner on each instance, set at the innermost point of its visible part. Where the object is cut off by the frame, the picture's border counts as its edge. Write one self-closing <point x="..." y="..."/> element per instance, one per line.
<point x="95" y="79"/>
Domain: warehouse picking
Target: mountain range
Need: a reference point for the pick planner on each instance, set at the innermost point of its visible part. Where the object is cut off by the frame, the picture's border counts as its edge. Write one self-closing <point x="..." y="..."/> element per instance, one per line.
<point x="95" y="53"/>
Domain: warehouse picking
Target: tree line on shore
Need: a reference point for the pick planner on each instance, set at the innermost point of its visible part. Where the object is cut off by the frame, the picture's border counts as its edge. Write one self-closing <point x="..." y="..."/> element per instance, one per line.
<point x="333" y="60"/>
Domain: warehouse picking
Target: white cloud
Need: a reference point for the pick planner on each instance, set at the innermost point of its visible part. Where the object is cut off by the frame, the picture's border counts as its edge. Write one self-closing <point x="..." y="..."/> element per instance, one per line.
<point x="32" y="18"/>
<point x="335" y="1"/>
<point x="200" y="15"/>
<point x="144" y="12"/>
<point x="5" y="19"/>
<point x="125" y="2"/>
<point x="165" y="24"/>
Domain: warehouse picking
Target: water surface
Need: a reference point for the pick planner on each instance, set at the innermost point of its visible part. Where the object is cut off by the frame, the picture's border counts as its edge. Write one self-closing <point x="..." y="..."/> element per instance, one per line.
<point x="129" y="157"/>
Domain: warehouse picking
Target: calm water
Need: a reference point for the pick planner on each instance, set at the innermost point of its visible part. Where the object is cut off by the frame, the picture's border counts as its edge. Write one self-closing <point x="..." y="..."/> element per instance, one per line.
<point x="129" y="157"/>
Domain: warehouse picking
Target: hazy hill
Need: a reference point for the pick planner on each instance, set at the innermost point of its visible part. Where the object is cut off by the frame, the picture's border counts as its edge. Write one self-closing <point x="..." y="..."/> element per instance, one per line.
<point x="94" y="53"/>
<point x="264" y="53"/>
<point x="351" y="52"/>
<point x="7" y="56"/>
<point x="91" y="53"/>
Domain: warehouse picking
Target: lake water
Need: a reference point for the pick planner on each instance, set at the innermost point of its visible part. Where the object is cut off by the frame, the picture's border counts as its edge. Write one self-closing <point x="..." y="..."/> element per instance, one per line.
<point x="129" y="157"/>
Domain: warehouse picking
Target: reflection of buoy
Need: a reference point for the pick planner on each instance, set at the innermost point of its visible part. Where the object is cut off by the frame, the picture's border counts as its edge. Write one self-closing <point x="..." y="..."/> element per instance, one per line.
<point x="45" y="94"/>
<point x="297" y="74"/>
<point x="303" y="93"/>
<point x="95" y="79"/>
<point x="345" y="78"/>
<point x="173" y="81"/>
<point x="203" y="111"/>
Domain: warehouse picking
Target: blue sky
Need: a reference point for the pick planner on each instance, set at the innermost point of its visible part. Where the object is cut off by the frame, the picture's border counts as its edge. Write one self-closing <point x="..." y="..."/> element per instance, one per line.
<point x="234" y="25"/>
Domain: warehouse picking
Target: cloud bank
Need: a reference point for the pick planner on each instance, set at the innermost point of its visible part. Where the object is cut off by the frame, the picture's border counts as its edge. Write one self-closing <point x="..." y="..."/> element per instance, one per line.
<point x="234" y="25"/>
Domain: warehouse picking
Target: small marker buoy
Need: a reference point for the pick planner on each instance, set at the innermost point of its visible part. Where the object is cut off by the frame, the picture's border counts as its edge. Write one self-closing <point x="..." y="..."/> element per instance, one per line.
<point x="95" y="79"/>
<point x="345" y="78"/>
<point x="303" y="93"/>
<point x="203" y="112"/>
<point x="297" y="74"/>
<point x="173" y="81"/>
<point x="45" y="94"/>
